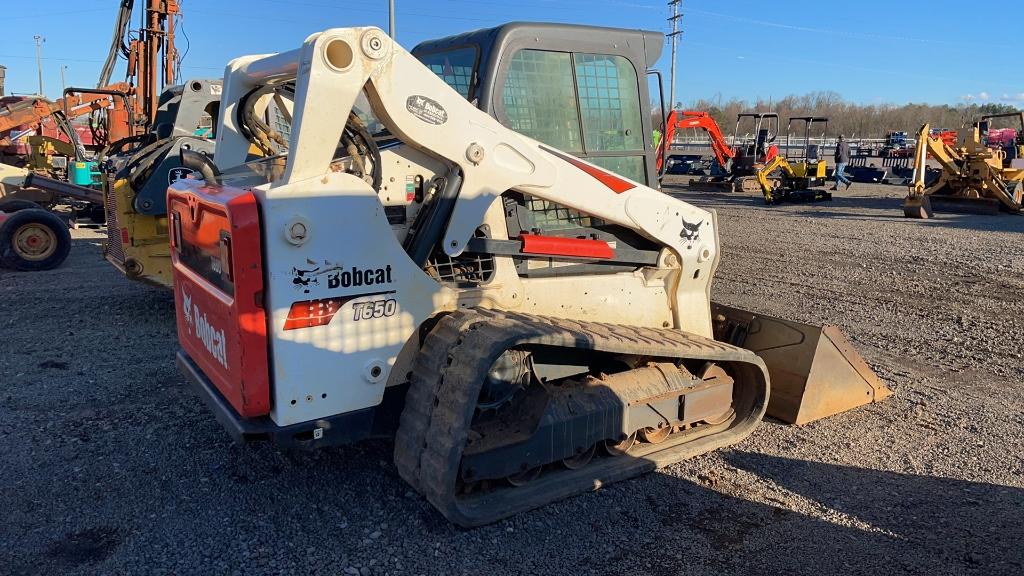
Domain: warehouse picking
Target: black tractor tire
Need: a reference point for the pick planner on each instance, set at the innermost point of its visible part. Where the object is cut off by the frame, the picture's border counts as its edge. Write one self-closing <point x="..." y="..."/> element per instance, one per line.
<point x="32" y="240"/>
<point x="17" y="204"/>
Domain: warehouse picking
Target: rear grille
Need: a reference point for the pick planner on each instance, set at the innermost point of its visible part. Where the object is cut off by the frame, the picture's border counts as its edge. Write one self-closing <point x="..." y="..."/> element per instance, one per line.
<point x="113" y="249"/>
<point x="465" y="271"/>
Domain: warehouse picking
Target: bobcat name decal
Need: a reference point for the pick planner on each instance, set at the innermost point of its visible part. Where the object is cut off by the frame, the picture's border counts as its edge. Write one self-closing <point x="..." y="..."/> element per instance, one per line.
<point x="200" y="327"/>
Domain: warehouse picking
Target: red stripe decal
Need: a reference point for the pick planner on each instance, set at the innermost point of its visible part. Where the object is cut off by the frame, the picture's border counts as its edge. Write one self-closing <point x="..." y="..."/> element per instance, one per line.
<point x="614" y="183"/>
<point x="310" y="313"/>
<point x="559" y="246"/>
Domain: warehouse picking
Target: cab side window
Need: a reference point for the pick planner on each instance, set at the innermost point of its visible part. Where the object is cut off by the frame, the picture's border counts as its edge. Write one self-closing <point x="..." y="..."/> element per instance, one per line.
<point x="540" y="100"/>
<point x="587" y="104"/>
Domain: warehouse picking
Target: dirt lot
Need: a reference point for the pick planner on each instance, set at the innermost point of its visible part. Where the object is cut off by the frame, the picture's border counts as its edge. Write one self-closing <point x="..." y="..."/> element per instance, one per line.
<point x="111" y="465"/>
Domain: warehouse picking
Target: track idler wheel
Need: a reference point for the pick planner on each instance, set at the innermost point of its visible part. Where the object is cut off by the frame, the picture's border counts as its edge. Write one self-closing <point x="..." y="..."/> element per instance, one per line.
<point x="580" y="460"/>
<point x="655" y="435"/>
<point x="620" y="448"/>
<point x="524" y="477"/>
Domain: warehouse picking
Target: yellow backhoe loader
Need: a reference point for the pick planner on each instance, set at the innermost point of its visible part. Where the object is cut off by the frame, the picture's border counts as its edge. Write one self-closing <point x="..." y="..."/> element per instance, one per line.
<point x="974" y="178"/>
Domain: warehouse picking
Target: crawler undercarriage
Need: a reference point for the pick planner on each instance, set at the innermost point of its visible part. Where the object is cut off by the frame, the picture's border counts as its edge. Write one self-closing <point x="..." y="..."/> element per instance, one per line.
<point x="486" y="434"/>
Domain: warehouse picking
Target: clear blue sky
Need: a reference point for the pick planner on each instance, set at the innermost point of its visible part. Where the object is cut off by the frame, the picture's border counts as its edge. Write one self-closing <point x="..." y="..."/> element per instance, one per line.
<point x="867" y="51"/>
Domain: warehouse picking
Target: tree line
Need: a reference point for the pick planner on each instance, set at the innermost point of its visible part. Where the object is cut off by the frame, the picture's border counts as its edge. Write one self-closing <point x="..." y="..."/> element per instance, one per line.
<point x="855" y="120"/>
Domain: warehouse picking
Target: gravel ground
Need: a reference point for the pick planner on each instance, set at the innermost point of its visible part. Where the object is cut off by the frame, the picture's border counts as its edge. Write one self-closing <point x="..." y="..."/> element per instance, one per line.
<point x="111" y="465"/>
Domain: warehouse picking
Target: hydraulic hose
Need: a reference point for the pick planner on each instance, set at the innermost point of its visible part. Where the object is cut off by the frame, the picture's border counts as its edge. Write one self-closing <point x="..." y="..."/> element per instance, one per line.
<point x="200" y="163"/>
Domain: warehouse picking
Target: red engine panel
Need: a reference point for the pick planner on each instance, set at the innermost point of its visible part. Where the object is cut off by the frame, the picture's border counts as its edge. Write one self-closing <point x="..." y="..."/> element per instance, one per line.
<point x="218" y="290"/>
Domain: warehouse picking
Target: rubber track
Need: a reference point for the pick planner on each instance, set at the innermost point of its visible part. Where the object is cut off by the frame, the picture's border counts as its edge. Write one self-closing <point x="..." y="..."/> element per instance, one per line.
<point x="446" y="380"/>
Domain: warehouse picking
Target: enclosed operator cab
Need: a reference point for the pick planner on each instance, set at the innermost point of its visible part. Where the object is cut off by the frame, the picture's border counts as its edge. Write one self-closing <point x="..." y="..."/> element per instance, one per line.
<point x="580" y="89"/>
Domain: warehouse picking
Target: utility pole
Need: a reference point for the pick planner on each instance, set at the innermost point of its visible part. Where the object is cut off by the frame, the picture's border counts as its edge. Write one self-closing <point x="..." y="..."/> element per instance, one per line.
<point x="391" y="19"/>
<point x="63" y="86"/>
<point x="39" y="60"/>
<point x="674" y="37"/>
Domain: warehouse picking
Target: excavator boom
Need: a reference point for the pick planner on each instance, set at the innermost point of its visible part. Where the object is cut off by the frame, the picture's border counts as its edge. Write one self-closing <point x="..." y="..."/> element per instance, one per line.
<point x="29" y="112"/>
<point x="696" y="120"/>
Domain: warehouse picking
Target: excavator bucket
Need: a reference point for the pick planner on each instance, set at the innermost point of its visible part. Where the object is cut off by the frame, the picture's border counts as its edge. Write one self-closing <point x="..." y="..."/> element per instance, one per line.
<point x="815" y="372"/>
<point x="919" y="206"/>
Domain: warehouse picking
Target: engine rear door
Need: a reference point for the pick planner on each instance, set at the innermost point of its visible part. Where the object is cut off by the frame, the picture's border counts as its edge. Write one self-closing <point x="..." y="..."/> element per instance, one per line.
<point x="218" y="289"/>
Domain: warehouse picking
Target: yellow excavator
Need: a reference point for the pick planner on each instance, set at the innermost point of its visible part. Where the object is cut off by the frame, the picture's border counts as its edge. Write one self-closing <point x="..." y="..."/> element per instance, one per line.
<point x="975" y="178"/>
<point x="784" y="180"/>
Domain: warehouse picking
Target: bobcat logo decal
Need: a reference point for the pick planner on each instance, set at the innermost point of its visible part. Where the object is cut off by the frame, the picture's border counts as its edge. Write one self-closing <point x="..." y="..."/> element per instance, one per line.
<point x="690" y="232"/>
<point x="186" y="305"/>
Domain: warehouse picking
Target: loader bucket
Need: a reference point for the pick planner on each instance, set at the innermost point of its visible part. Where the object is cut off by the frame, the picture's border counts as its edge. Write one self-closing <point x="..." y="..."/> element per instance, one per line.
<point x="815" y="372"/>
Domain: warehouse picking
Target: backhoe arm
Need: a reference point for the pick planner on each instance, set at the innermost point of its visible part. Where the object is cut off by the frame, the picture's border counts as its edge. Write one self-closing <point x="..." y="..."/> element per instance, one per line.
<point x="38" y="109"/>
<point x="691" y="119"/>
<point x="939" y="150"/>
<point x="767" y="185"/>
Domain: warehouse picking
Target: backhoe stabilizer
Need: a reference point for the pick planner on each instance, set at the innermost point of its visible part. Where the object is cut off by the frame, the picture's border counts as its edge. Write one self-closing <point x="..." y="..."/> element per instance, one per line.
<point x="815" y="371"/>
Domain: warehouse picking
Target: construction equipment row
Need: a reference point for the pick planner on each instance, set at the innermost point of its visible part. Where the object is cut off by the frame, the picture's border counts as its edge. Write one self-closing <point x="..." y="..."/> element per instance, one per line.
<point x="465" y="248"/>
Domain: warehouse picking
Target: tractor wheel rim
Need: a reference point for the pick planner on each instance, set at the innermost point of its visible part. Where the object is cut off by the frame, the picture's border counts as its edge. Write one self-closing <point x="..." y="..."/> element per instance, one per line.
<point x="34" y="242"/>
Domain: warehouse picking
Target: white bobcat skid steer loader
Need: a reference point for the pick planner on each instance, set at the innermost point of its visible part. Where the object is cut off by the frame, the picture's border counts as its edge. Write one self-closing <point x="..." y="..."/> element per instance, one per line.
<point x="541" y="325"/>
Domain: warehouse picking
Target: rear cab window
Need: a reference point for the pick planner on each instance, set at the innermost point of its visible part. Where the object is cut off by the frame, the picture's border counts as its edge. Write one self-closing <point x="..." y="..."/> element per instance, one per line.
<point x="457" y="67"/>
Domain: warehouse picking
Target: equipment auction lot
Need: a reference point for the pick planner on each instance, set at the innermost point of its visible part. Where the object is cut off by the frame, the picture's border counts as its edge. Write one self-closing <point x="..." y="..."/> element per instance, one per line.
<point x="110" y="464"/>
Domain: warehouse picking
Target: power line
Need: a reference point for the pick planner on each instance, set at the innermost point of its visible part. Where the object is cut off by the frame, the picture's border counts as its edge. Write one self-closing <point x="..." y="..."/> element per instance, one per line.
<point x="844" y="33"/>
<point x="49" y="15"/>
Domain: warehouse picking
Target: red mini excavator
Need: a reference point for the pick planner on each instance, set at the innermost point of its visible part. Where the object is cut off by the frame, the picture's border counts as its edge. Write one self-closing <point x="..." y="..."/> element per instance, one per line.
<point x="694" y="119"/>
<point x="739" y="162"/>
